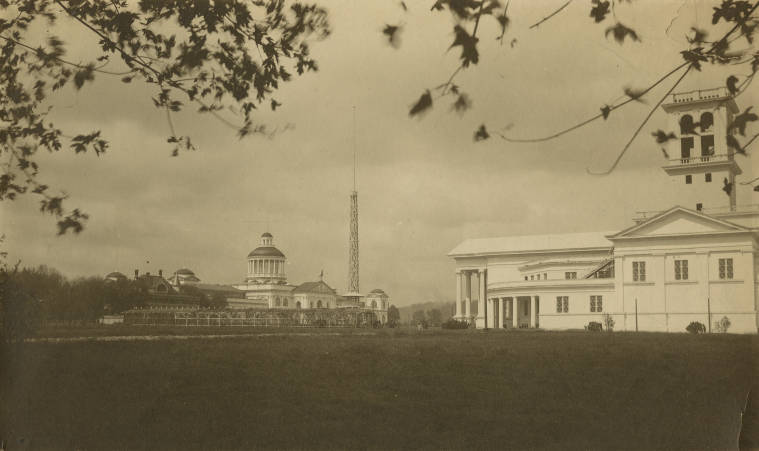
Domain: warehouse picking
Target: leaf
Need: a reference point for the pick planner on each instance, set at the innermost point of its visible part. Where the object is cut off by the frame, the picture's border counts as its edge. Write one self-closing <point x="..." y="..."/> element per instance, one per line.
<point x="127" y="79"/>
<point x="727" y="187"/>
<point x="481" y="134"/>
<point x="699" y="36"/>
<point x="694" y="57"/>
<point x="634" y="94"/>
<point x="421" y="105"/>
<point x="733" y="143"/>
<point x="664" y="151"/>
<point x="620" y="32"/>
<point x="393" y="34"/>
<point x="468" y="45"/>
<point x="599" y="11"/>
<point x="605" y="110"/>
<point x="662" y="137"/>
<point x="274" y="105"/>
<point x="462" y="103"/>
<point x="740" y="121"/>
<point x="731" y="84"/>
<point x="83" y="75"/>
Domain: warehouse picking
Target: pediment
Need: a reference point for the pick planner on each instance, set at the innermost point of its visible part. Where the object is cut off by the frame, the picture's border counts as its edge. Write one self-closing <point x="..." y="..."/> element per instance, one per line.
<point x="679" y="221"/>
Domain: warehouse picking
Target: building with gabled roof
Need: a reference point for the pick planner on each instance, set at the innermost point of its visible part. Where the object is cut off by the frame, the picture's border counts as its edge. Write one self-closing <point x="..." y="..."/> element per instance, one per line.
<point x="693" y="263"/>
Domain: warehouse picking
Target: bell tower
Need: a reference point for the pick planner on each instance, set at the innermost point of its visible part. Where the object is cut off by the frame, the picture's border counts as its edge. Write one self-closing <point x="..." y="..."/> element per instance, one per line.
<point x="702" y="166"/>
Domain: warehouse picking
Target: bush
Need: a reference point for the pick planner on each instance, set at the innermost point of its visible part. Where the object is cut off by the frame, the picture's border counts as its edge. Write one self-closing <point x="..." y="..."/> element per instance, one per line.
<point x="696" y="328"/>
<point x="455" y="324"/>
<point x="722" y="325"/>
<point x="594" y="326"/>
<point x="608" y="322"/>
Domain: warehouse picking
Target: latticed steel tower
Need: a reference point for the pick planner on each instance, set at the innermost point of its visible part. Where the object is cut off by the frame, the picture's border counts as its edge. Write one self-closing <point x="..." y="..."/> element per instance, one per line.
<point x="353" y="252"/>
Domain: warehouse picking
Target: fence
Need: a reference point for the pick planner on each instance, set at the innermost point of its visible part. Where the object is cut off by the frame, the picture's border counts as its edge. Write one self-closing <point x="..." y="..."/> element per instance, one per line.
<point x="345" y="318"/>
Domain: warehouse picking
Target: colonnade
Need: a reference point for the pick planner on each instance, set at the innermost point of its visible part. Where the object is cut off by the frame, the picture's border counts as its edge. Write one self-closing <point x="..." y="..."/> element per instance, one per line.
<point x="507" y="310"/>
<point x="266" y="266"/>
<point x="464" y="280"/>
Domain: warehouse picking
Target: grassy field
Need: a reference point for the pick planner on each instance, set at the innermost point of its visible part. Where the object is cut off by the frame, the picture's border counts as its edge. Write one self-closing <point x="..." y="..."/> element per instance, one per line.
<point x="445" y="389"/>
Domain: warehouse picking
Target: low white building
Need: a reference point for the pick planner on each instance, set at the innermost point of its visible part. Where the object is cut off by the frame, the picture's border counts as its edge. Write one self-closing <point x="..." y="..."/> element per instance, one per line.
<point x="698" y="262"/>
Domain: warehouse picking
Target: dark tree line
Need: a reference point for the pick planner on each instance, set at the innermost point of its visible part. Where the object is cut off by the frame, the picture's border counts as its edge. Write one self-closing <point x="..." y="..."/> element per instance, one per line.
<point x="32" y="297"/>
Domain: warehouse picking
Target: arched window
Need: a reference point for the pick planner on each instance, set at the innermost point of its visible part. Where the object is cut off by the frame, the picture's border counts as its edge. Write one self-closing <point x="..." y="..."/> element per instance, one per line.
<point x="319" y="303"/>
<point x="374" y="304"/>
<point x="297" y="305"/>
<point x="706" y="122"/>
<point x="284" y="302"/>
<point x="278" y="302"/>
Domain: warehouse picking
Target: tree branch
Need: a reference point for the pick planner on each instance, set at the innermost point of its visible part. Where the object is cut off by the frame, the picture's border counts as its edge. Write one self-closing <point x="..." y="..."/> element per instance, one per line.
<point x="537" y="24"/>
<point x="640" y="127"/>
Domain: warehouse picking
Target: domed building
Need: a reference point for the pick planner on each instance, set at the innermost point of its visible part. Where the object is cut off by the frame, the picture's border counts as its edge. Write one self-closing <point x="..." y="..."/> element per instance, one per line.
<point x="183" y="276"/>
<point x="266" y="263"/>
<point x="115" y="277"/>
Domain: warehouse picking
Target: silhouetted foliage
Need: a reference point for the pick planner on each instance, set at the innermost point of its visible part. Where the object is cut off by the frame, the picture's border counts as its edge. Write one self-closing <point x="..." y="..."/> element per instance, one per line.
<point x="696" y="328"/>
<point x="594" y="326"/>
<point x="454" y="324"/>
<point x="214" y="56"/>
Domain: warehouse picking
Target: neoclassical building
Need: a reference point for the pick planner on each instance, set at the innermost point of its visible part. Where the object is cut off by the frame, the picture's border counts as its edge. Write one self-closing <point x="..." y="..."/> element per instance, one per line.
<point x="698" y="261"/>
<point x="266" y="286"/>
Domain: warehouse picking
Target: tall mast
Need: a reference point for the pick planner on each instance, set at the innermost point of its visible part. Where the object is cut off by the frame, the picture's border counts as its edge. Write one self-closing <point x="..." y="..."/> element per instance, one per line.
<point x="353" y="240"/>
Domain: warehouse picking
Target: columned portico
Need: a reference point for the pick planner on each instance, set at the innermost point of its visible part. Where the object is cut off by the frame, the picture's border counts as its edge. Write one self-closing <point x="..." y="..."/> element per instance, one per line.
<point x="481" y="320"/>
<point x="458" y="294"/>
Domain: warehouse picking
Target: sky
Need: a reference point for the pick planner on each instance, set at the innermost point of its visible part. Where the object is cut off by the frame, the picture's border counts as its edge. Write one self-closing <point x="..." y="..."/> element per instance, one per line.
<point x="424" y="185"/>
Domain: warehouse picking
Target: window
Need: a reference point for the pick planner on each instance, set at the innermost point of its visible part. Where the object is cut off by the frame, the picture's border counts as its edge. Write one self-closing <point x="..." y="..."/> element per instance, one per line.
<point x="687" y="127"/>
<point x="686" y="144"/>
<point x="706" y="122"/>
<point x="562" y="304"/>
<point x="699" y="206"/>
<point x="688" y="179"/>
<point x="284" y="302"/>
<point x="725" y="268"/>
<point x="526" y="278"/>
<point x="596" y="304"/>
<point x="707" y="146"/>
<point x="681" y="269"/>
<point x="545" y="276"/>
<point x="532" y="277"/>
<point x="639" y="271"/>
<point x="708" y="177"/>
<point x="570" y="275"/>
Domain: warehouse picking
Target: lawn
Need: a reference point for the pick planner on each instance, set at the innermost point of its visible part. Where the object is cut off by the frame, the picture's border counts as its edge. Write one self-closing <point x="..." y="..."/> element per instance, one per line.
<point x="445" y="389"/>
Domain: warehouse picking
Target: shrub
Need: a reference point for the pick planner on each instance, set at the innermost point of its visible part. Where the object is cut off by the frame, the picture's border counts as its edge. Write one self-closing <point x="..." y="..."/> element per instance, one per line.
<point x="696" y="328"/>
<point x="609" y="322"/>
<point x="722" y="325"/>
<point x="455" y="324"/>
<point x="594" y="326"/>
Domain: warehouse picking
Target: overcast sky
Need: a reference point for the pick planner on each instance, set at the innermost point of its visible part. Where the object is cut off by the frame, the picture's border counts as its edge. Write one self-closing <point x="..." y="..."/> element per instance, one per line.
<point x="424" y="185"/>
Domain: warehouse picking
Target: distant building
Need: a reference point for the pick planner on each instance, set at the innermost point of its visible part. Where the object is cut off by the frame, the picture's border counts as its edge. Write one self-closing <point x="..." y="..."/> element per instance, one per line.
<point x="695" y="263"/>
<point x="266" y="286"/>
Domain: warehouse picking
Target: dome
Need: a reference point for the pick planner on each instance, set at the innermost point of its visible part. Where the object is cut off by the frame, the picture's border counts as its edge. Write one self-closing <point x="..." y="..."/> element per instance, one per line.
<point x="115" y="275"/>
<point x="377" y="291"/>
<point x="267" y="235"/>
<point x="266" y="251"/>
<point x="184" y="272"/>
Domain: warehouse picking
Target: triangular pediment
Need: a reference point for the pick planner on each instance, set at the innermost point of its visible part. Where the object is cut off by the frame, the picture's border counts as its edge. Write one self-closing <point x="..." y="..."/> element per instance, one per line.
<point x="679" y="221"/>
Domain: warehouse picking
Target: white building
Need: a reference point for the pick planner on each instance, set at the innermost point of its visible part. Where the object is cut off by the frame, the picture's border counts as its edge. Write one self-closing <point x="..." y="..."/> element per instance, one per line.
<point x="266" y="287"/>
<point x="696" y="262"/>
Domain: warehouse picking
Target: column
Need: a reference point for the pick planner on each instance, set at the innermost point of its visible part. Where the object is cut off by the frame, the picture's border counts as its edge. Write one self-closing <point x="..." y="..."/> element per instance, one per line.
<point x="515" y="312"/>
<point x="532" y="312"/>
<point x="468" y="295"/>
<point x="482" y="320"/>
<point x="496" y="313"/>
<point x="458" y="294"/>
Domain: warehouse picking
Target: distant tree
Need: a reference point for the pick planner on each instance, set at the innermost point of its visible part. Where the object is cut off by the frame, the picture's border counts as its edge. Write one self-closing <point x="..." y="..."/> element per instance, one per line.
<point x="696" y="328"/>
<point x="435" y="317"/>
<point x="220" y="58"/>
<point x="608" y="322"/>
<point x="123" y="295"/>
<point x="418" y="316"/>
<point x="722" y="325"/>
<point x="192" y="290"/>
<point x="19" y="310"/>
<point x="393" y="316"/>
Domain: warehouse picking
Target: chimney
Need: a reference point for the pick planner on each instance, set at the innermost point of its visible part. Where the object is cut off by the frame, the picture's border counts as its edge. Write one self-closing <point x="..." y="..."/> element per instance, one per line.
<point x="160" y="273"/>
<point x="136" y="273"/>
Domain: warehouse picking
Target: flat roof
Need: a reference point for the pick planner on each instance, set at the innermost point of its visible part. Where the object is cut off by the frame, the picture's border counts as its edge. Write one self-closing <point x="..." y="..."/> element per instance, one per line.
<point x="532" y="243"/>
